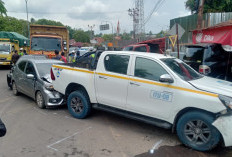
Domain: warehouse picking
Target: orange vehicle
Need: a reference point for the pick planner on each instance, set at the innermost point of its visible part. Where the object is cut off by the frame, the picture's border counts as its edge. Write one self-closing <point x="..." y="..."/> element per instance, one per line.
<point x="46" y="39"/>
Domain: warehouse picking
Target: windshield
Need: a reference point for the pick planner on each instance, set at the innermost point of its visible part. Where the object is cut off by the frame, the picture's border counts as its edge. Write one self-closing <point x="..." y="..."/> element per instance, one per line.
<point x="4" y="48"/>
<point x="44" y="68"/>
<point x="181" y="69"/>
<point x="45" y="44"/>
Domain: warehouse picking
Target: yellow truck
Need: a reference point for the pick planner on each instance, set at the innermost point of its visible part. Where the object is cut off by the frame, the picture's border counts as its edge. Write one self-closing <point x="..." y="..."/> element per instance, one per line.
<point x="9" y="42"/>
<point x="46" y="39"/>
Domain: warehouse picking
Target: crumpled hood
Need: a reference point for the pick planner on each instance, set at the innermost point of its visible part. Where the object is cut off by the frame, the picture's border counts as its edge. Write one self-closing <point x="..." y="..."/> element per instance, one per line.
<point x="213" y="85"/>
<point x="47" y="78"/>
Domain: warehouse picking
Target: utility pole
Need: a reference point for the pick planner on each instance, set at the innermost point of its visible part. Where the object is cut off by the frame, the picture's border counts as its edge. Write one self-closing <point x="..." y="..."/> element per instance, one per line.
<point x="91" y="30"/>
<point x="177" y="40"/>
<point x="200" y="14"/>
<point x="28" y="32"/>
<point x="134" y="13"/>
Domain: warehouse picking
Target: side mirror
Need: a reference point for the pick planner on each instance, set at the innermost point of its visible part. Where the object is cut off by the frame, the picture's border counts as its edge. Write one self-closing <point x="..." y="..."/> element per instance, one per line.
<point x="166" y="78"/>
<point x="30" y="76"/>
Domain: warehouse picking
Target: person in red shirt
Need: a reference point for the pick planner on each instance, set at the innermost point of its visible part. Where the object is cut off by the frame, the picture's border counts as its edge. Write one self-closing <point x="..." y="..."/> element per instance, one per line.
<point x="63" y="58"/>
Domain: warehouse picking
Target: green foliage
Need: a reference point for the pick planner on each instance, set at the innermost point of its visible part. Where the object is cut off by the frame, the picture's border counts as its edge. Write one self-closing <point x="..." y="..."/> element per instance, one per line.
<point x="125" y="36"/>
<point x="160" y="34"/>
<point x="2" y="8"/>
<point x="48" y="22"/>
<point x="11" y="24"/>
<point x="81" y="36"/>
<point x="108" y="37"/>
<point x="210" y="6"/>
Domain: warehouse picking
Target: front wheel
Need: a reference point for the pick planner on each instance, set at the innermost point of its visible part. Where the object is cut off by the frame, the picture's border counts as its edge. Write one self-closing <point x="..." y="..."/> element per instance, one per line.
<point x="40" y="100"/>
<point x="195" y="130"/>
<point x="15" y="90"/>
<point x="79" y="105"/>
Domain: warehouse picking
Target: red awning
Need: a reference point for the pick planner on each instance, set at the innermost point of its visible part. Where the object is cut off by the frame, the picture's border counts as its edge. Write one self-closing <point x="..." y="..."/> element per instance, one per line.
<point x="220" y="35"/>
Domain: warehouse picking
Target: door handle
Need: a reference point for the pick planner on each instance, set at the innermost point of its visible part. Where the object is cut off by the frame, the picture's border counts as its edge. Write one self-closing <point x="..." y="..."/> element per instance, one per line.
<point x="134" y="84"/>
<point x="101" y="77"/>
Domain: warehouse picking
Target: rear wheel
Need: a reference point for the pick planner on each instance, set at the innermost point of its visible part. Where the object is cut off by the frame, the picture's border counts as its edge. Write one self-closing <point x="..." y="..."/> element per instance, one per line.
<point x="15" y="90"/>
<point x="40" y="100"/>
<point x="195" y="130"/>
<point x="79" y="105"/>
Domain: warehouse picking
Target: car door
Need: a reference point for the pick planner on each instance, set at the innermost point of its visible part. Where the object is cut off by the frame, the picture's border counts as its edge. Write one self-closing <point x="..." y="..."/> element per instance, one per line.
<point x="111" y="80"/>
<point x="29" y="84"/>
<point x="146" y="94"/>
<point x="19" y="73"/>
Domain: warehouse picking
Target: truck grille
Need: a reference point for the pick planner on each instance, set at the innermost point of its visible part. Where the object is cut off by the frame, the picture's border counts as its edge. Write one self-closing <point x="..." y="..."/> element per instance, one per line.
<point x="2" y="59"/>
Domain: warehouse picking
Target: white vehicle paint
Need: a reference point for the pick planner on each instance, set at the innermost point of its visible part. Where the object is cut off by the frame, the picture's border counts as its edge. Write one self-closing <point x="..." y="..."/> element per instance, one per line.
<point x="157" y="99"/>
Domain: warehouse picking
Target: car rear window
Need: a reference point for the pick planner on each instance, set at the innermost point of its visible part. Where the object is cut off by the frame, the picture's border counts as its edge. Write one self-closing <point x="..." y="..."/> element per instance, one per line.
<point x="194" y="54"/>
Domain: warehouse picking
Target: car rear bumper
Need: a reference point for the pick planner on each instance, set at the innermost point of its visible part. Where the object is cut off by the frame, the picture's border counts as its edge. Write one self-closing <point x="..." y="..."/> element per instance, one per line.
<point x="224" y="125"/>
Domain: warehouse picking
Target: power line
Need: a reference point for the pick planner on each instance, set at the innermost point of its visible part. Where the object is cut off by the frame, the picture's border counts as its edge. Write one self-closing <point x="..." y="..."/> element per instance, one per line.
<point x="112" y="12"/>
<point x="156" y="7"/>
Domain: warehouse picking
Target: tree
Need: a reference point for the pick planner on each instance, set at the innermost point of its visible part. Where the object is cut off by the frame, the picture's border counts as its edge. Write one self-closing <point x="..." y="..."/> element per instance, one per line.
<point x="81" y="36"/>
<point x="210" y="6"/>
<point x="11" y="24"/>
<point x="48" y="22"/>
<point x="125" y="36"/>
<point x="2" y="8"/>
<point x="108" y="37"/>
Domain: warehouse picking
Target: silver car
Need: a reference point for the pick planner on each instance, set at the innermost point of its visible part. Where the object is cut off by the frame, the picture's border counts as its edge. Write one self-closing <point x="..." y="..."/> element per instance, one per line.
<point x="31" y="76"/>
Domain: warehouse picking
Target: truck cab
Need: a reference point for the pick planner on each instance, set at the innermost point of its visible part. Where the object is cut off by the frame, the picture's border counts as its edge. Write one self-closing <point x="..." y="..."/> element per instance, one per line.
<point x="6" y="51"/>
<point x="46" y="39"/>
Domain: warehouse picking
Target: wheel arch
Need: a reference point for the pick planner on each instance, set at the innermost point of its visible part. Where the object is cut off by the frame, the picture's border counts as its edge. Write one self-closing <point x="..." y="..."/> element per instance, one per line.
<point x="74" y="87"/>
<point x="188" y="109"/>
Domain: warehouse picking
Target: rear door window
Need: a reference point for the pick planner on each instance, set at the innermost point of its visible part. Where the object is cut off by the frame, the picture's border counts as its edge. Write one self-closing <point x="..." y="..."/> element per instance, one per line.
<point x="22" y="65"/>
<point x="117" y="63"/>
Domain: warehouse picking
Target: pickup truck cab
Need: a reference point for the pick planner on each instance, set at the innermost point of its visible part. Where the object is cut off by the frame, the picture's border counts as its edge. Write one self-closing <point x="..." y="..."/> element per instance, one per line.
<point x="154" y="88"/>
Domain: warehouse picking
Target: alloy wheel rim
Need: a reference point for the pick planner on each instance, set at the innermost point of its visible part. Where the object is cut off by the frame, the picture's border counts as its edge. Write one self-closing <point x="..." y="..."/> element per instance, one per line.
<point x="14" y="88"/>
<point x="197" y="132"/>
<point x="39" y="99"/>
<point x="77" y="105"/>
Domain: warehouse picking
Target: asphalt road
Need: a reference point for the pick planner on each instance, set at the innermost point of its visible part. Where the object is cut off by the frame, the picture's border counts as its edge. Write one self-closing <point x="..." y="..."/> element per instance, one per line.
<point x="33" y="132"/>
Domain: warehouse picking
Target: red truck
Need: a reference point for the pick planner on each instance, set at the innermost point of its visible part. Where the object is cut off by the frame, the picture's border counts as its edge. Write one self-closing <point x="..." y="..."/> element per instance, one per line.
<point x="153" y="46"/>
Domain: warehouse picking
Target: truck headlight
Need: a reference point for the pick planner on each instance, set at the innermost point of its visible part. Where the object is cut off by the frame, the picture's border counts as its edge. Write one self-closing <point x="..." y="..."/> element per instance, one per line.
<point x="227" y="101"/>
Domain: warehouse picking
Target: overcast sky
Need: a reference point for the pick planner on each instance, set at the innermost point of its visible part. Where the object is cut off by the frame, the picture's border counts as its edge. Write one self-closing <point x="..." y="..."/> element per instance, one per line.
<point x="81" y="13"/>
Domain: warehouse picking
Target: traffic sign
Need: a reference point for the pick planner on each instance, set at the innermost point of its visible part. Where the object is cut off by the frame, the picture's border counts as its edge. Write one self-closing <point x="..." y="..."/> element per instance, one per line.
<point x="104" y="27"/>
<point x="181" y="31"/>
<point x="173" y="39"/>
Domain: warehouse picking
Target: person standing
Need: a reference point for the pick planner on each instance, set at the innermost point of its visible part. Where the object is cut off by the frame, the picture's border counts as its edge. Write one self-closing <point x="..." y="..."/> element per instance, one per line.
<point x="21" y="52"/>
<point x="63" y="58"/>
<point x="57" y="57"/>
<point x="24" y="52"/>
<point x="15" y="57"/>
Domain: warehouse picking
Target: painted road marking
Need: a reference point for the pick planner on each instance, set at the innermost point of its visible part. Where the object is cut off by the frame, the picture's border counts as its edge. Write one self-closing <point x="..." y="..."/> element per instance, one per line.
<point x="63" y="139"/>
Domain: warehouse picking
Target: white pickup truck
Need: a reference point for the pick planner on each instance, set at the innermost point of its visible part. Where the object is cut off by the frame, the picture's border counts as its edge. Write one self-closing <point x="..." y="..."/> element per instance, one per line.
<point x="157" y="89"/>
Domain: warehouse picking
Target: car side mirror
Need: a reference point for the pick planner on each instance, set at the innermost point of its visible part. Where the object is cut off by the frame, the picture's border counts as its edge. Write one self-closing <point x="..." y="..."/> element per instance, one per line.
<point x="30" y="76"/>
<point x="166" y="78"/>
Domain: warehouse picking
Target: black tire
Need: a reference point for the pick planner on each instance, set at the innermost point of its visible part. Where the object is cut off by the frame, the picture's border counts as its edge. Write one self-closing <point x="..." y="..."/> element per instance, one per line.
<point x="195" y="130"/>
<point x="15" y="90"/>
<point x="9" y="82"/>
<point x="39" y="99"/>
<point x="79" y="105"/>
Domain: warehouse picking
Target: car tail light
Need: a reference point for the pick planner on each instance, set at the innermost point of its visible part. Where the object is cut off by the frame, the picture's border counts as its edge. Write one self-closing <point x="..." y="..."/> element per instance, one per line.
<point x="204" y="69"/>
<point x="52" y="75"/>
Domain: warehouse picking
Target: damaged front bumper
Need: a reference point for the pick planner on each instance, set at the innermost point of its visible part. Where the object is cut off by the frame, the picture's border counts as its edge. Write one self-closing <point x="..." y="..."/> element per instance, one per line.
<point x="224" y="125"/>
